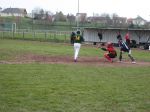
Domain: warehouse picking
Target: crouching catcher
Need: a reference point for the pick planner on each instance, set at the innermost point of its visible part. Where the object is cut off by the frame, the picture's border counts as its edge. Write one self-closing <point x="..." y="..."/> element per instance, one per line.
<point x="111" y="51"/>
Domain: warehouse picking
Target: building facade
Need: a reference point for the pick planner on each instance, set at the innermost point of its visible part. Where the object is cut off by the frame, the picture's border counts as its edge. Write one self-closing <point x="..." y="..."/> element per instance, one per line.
<point x="21" y="12"/>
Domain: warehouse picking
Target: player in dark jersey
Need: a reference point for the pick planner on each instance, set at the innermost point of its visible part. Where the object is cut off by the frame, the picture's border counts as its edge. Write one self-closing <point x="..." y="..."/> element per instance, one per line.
<point x="125" y="47"/>
<point x="77" y="44"/>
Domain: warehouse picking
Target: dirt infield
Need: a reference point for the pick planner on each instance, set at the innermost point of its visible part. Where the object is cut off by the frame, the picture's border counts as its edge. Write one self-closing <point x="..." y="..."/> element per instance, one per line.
<point x="94" y="61"/>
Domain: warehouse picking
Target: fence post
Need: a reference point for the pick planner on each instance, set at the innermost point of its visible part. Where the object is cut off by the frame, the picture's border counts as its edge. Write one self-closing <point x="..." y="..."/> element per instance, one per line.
<point x="65" y="36"/>
<point x="55" y="35"/>
<point x="45" y="35"/>
<point x="23" y="34"/>
<point x="3" y="35"/>
<point x="50" y="35"/>
<point x="33" y="35"/>
<point x="13" y="34"/>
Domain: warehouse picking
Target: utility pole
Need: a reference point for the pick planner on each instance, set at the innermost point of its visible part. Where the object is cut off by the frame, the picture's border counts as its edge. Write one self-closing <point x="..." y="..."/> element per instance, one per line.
<point x="32" y="20"/>
<point x="78" y="16"/>
<point x="78" y="6"/>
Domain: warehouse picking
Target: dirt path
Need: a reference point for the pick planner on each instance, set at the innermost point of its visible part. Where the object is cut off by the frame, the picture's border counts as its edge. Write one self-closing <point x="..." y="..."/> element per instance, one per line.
<point x="94" y="61"/>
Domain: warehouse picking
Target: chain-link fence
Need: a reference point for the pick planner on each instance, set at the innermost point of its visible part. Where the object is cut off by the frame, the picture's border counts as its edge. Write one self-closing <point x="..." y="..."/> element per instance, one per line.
<point x="40" y="35"/>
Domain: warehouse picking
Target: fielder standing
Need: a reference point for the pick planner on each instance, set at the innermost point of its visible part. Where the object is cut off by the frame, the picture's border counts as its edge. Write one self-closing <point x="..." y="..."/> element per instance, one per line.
<point x="77" y="44"/>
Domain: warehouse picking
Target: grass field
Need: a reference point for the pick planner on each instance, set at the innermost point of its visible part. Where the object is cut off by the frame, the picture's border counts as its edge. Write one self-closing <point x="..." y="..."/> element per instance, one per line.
<point x="71" y="87"/>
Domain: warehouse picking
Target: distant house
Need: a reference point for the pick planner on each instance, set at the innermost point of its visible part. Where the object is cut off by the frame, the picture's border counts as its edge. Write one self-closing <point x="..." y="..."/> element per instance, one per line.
<point x="81" y="17"/>
<point x="129" y="21"/>
<point x="21" y="12"/>
<point x="119" y="20"/>
<point x="98" y="19"/>
<point x="139" y="21"/>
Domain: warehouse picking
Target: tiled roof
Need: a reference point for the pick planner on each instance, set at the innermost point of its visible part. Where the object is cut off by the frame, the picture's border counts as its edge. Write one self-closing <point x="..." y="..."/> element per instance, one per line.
<point x="15" y="10"/>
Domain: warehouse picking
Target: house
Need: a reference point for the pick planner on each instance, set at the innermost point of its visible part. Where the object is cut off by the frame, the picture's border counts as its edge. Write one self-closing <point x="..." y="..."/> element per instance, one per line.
<point x="21" y="12"/>
<point x="81" y="17"/>
<point x="119" y="21"/>
<point x="139" y="21"/>
<point x="98" y="19"/>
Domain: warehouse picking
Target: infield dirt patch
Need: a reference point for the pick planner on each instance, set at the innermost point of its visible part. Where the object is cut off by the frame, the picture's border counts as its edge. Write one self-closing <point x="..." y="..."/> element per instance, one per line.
<point x="93" y="61"/>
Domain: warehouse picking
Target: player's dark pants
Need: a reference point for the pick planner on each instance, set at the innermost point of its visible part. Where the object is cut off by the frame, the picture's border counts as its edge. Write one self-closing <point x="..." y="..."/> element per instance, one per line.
<point x="129" y="54"/>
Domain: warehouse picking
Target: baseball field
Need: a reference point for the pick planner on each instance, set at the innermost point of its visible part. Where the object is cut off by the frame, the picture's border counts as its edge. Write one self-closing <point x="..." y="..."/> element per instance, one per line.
<point x="42" y="77"/>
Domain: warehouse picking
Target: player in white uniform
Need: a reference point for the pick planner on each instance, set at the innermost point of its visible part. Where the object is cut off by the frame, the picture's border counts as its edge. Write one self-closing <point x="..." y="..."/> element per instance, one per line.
<point x="77" y="44"/>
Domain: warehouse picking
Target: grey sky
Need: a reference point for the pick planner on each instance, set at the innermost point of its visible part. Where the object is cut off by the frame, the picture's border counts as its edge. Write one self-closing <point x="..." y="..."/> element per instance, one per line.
<point x="124" y="8"/>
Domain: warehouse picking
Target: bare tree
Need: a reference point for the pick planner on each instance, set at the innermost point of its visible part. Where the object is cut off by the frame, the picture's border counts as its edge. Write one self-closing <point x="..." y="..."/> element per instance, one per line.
<point x="49" y="16"/>
<point x="59" y="16"/>
<point x="71" y="18"/>
<point x="38" y="13"/>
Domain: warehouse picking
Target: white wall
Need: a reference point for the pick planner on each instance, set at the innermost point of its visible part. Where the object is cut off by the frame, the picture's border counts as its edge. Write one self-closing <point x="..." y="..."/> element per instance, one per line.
<point x="91" y="35"/>
<point x="10" y="14"/>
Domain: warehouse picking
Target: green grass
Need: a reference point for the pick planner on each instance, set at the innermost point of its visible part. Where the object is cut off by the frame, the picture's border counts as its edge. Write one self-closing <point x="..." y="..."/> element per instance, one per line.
<point x="10" y="48"/>
<point x="73" y="87"/>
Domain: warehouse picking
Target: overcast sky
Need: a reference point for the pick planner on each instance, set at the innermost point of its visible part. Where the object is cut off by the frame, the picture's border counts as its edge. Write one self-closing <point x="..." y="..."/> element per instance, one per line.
<point x="123" y="8"/>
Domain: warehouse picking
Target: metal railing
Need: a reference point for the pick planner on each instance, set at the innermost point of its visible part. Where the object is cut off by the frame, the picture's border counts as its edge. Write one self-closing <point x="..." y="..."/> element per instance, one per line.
<point x="40" y="35"/>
